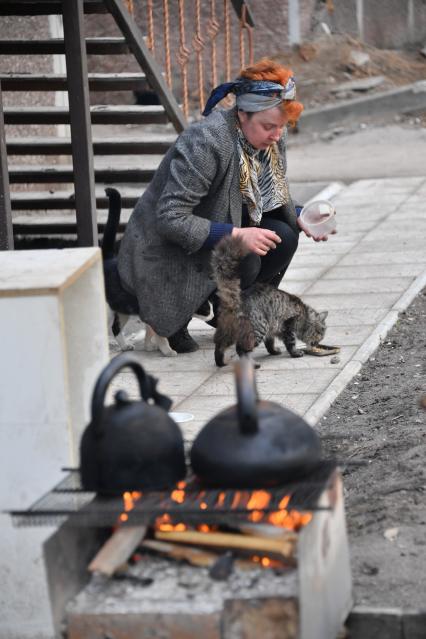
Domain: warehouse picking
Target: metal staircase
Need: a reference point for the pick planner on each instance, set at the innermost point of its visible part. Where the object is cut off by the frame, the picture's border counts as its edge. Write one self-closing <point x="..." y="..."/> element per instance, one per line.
<point x="83" y="177"/>
<point x="54" y="185"/>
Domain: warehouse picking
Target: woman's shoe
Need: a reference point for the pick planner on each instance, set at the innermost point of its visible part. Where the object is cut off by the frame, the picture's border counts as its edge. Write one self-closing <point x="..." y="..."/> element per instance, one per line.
<point x="182" y="342"/>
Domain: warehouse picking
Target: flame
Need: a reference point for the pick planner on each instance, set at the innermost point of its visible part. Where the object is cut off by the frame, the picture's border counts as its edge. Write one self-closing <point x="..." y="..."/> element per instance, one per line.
<point x="259" y="500"/>
<point x="236" y="499"/>
<point x="178" y="496"/>
<point x="164" y="523"/>
<point x="204" y="528"/>
<point x="256" y="516"/>
<point x="267" y="562"/>
<point x="284" y="502"/>
<point x="129" y="499"/>
<point x="221" y="499"/>
<point x="291" y="520"/>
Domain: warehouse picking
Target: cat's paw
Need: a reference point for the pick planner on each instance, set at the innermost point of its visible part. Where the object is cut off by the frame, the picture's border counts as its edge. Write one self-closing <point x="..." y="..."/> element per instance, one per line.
<point x="127" y="347"/>
<point x="219" y="358"/>
<point x="146" y="345"/>
<point x="275" y="351"/>
<point x="168" y="352"/>
<point x="298" y="352"/>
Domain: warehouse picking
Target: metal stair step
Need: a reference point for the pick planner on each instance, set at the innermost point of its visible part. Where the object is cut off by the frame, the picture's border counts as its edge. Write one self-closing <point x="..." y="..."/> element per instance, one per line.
<point x="65" y="199"/>
<point x="107" y="146"/>
<point x="44" y="7"/>
<point x="33" y="174"/>
<point x="66" y="219"/>
<point x="57" y="82"/>
<point x="100" y="114"/>
<point x="55" y="46"/>
<point x="60" y="224"/>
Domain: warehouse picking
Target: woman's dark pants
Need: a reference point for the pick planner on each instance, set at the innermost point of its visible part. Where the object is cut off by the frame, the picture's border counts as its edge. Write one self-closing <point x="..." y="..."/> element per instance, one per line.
<point x="271" y="267"/>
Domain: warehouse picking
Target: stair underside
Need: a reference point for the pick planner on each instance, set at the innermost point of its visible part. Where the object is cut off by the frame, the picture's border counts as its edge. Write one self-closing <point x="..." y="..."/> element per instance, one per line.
<point x="58" y="200"/>
<point x="57" y="82"/>
<point x="44" y="7"/>
<point x="106" y="146"/>
<point x="56" y="46"/>
<point x="100" y="114"/>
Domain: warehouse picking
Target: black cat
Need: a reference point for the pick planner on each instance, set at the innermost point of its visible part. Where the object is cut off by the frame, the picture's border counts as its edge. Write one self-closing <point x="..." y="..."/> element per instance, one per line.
<point x="121" y="303"/>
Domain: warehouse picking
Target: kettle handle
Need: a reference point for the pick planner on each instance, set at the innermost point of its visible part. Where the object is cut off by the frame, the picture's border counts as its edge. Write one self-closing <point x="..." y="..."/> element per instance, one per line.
<point x="247" y="396"/>
<point x="147" y="386"/>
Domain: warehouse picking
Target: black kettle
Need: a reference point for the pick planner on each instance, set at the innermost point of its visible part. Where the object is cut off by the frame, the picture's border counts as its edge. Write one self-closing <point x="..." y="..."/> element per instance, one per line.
<point x="255" y="444"/>
<point x="132" y="445"/>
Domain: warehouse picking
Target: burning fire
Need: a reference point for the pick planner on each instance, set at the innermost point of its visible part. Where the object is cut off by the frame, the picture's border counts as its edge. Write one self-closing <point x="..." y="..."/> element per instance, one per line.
<point x="282" y="518"/>
<point x="257" y="502"/>
<point x="129" y="499"/>
<point x="253" y="504"/>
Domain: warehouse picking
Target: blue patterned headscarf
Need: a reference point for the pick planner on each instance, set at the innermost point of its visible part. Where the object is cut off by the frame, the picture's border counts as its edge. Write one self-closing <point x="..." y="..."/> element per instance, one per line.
<point x="252" y="95"/>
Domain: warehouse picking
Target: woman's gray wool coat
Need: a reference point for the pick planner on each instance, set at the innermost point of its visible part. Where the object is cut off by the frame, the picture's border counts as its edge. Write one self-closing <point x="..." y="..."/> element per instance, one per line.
<point x="161" y="259"/>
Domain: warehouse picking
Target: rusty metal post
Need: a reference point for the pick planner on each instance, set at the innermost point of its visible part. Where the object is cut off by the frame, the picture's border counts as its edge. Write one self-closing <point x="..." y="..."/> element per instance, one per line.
<point x="198" y="44"/>
<point x="6" y="228"/>
<point x="213" y="29"/>
<point x="167" y="56"/>
<point x="150" y="25"/>
<point x="227" y="36"/>
<point x="183" y="56"/>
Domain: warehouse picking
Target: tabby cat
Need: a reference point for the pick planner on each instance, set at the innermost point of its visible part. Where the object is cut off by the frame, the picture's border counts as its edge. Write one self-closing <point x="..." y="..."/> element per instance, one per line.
<point x="259" y="313"/>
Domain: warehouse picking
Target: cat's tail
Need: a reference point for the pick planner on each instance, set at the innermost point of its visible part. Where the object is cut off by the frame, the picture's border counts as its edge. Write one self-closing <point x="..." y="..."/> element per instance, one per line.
<point x="113" y="220"/>
<point x="225" y="262"/>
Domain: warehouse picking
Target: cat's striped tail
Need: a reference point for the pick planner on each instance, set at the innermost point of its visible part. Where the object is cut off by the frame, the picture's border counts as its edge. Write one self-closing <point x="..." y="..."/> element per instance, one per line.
<point x="225" y="261"/>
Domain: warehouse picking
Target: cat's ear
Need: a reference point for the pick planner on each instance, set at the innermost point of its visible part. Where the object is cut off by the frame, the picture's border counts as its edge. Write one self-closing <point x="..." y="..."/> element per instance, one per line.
<point x="323" y="315"/>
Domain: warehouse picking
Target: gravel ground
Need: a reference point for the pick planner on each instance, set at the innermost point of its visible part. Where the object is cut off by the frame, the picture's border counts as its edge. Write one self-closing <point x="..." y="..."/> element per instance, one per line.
<point x="378" y="419"/>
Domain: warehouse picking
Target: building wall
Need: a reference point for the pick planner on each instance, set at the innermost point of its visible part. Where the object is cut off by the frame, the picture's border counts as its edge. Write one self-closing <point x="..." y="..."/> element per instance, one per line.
<point x="386" y="24"/>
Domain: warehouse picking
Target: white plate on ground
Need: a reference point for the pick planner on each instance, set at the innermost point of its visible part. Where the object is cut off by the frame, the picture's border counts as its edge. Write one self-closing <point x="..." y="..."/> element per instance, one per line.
<point x="181" y="418"/>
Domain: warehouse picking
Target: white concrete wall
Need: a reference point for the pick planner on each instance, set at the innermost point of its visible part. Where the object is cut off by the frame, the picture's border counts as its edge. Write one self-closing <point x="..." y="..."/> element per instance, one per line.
<point x="53" y="348"/>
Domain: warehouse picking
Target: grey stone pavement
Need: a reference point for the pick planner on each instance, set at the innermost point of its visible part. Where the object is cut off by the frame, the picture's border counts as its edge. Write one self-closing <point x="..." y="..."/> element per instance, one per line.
<point x="364" y="276"/>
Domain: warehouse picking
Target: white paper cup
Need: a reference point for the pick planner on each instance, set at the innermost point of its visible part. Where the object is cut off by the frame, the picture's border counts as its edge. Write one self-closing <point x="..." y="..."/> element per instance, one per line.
<point x="319" y="217"/>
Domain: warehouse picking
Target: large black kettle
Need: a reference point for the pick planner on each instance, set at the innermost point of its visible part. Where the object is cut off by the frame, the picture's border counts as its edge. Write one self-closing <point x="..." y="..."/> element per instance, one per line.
<point x="132" y="445"/>
<point x="255" y="443"/>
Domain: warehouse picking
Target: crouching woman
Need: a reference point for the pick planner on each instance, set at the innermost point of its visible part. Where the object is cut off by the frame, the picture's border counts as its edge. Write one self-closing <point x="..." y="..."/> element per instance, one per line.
<point x="224" y="175"/>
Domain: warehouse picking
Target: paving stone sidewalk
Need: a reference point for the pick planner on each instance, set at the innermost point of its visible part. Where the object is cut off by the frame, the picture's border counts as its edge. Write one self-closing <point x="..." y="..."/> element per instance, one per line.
<point x="364" y="276"/>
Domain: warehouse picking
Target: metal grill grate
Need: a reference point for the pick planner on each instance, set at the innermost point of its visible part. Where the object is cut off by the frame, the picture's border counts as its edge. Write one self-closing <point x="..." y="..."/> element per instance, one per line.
<point x="68" y="502"/>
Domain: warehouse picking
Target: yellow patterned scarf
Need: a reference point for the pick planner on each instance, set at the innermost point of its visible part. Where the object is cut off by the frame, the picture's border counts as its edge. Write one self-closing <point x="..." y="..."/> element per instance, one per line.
<point x="263" y="183"/>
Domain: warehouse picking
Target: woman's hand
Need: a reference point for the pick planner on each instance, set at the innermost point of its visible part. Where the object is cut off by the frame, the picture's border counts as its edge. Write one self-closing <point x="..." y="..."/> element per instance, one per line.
<point x="256" y="239"/>
<point x="320" y="238"/>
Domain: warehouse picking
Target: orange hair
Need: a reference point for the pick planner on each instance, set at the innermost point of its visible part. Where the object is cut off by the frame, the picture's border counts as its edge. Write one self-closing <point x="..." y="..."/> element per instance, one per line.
<point x="267" y="69"/>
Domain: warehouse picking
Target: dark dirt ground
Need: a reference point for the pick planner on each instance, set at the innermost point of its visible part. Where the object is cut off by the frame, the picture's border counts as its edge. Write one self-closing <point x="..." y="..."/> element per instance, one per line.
<point x="378" y="419"/>
<point x="325" y="63"/>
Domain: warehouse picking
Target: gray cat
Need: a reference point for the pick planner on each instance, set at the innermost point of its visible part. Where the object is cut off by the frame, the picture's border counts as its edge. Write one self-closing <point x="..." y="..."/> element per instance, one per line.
<point x="259" y="313"/>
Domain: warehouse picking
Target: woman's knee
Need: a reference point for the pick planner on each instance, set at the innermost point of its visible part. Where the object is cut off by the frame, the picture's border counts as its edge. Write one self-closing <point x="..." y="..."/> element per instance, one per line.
<point x="249" y="269"/>
<point x="291" y="237"/>
<point x="289" y="243"/>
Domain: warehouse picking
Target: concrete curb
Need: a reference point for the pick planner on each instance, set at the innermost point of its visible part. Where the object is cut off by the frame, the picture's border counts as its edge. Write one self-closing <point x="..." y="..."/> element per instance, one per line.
<point x="325" y="400"/>
<point x="366" y="622"/>
<point x="407" y="98"/>
<point x="330" y="191"/>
